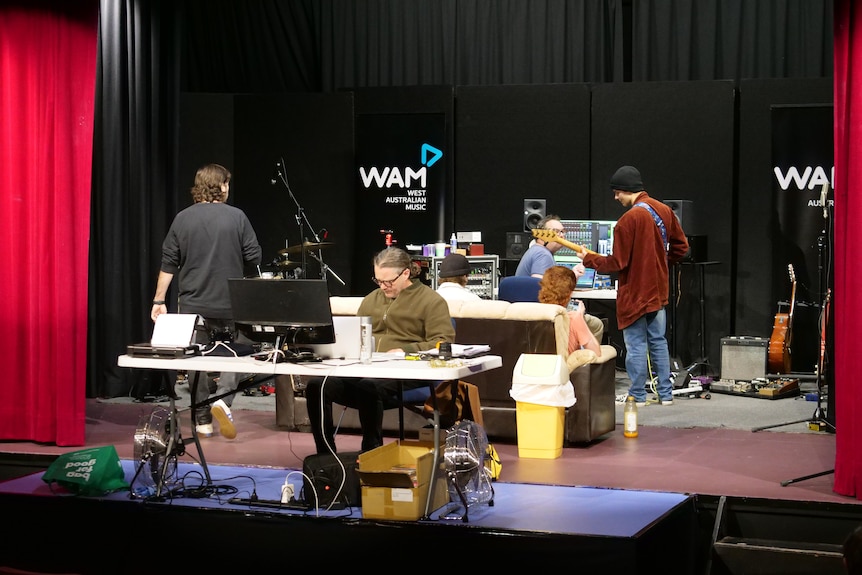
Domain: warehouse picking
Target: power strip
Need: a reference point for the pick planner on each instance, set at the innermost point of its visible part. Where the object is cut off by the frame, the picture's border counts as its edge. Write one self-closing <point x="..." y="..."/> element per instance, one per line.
<point x="272" y="504"/>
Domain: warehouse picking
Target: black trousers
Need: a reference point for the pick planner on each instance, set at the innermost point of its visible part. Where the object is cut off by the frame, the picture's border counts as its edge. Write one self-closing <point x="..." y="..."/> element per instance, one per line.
<point x="369" y="396"/>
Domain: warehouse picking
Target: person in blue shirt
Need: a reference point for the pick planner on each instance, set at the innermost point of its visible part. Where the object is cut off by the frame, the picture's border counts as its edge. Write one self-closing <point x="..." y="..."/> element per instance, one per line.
<point x="539" y="258"/>
<point x="540" y="255"/>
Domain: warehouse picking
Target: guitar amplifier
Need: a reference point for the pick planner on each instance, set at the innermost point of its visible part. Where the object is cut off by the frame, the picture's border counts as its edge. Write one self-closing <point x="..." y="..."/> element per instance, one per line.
<point x="743" y="358"/>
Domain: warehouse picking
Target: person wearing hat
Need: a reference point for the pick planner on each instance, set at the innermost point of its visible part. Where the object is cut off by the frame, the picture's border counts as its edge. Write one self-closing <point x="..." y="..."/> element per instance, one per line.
<point x="648" y="239"/>
<point x="452" y="279"/>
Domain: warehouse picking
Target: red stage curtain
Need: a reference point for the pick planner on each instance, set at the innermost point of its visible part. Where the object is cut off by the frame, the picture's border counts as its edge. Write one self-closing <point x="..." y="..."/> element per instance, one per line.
<point x="47" y="91"/>
<point x="847" y="215"/>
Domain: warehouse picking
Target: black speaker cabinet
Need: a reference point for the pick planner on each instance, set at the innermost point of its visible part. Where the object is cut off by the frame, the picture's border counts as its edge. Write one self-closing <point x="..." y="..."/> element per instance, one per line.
<point x="684" y="212"/>
<point x="534" y="211"/>
<point x="516" y="244"/>
<point x="743" y="358"/>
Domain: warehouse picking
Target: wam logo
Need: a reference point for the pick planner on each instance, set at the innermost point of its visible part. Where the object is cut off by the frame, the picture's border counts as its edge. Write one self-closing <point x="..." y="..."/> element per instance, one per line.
<point x="398" y="177"/>
<point x="810" y="178"/>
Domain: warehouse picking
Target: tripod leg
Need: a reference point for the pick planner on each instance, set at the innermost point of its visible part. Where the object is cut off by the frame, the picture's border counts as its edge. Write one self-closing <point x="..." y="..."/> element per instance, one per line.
<point x="753" y="429"/>
<point x="803" y="478"/>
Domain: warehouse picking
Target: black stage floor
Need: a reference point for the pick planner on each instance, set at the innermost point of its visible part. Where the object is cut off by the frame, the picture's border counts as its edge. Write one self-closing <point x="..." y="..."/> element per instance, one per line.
<point x="667" y="500"/>
<point x="537" y="525"/>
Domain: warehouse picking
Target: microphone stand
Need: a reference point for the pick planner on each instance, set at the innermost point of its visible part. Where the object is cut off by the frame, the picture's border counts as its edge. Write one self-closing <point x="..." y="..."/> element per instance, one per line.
<point x="302" y="221"/>
<point x="823" y="280"/>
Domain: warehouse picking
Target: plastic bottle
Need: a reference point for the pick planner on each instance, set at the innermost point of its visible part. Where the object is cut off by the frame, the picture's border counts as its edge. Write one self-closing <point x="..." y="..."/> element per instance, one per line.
<point x="630" y="418"/>
<point x="367" y="341"/>
<point x="453" y="243"/>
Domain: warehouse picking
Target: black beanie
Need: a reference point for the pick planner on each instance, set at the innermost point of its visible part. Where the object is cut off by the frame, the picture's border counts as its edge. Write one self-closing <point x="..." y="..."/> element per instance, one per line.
<point x="454" y="265"/>
<point x="628" y="179"/>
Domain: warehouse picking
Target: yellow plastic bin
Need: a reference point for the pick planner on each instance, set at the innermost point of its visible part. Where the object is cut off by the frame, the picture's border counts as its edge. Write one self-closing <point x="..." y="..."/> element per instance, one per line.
<point x="540" y="430"/>
<point x="542" y="392"/>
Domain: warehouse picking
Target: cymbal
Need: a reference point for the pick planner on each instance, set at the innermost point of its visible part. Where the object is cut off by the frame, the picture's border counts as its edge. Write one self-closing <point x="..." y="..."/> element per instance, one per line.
<point x="306" y="246"/>
<point x="287" y="264"/>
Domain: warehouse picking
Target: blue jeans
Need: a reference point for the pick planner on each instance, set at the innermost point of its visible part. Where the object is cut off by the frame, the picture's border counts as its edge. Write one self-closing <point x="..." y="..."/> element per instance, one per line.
<point x="646" y="346"/>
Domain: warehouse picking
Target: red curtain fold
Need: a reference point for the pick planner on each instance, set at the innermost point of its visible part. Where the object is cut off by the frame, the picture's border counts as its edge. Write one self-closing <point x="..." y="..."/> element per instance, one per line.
<point x="847" y="213"/>
<point x="47" y="92"/>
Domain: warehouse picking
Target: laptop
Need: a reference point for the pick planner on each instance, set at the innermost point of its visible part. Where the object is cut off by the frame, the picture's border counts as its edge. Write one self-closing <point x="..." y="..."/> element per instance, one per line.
<point x="586" y="281"/>
<point x="173" y="335"/>
<point x="348" y="339"/>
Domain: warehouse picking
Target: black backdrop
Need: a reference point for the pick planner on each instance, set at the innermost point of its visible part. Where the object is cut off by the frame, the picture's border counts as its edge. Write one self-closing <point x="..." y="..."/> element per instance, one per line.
<point x="560" y="143"/>
<point x="156" y="56"/>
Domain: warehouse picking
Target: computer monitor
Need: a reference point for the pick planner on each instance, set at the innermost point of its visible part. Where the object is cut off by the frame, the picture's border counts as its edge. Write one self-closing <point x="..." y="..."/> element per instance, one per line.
<point x="585" y="282"/>
<point x="282" y="311"/>
<point x="597" y="235"/>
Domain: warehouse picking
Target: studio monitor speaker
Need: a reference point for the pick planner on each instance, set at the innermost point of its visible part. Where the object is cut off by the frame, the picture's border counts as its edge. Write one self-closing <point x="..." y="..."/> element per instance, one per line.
<point x="516" y="244"/>
<point x="684" y="212"/>
<point x="534" y="211"/>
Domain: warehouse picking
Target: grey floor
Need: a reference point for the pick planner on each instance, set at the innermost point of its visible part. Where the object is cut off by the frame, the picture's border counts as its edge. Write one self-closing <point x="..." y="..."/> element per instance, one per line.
<point x="720" y="410"/>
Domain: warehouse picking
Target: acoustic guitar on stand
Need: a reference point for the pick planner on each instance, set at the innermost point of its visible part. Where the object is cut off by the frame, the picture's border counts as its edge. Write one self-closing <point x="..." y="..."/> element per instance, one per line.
<point x="553" y="236"/>
<point x="778" y="360"/>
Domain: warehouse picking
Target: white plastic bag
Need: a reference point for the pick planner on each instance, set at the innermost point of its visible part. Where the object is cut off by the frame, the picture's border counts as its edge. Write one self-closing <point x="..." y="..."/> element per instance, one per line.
<point x="542" y="379"/>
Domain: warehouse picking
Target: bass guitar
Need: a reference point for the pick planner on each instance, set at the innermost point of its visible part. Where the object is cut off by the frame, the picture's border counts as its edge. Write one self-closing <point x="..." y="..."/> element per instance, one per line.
<point x="778" y="360"/>
<point x="553" y="236"/>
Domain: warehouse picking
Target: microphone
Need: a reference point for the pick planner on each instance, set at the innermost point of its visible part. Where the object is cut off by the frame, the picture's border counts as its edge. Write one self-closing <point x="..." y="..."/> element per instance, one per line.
<point x="823" y="192"/>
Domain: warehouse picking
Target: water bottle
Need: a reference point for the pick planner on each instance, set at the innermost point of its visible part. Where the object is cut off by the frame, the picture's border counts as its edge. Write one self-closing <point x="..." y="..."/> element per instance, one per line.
<point x="453" y="243"/>
<point x="630" y="418"/>
<point x="367" y="340"/>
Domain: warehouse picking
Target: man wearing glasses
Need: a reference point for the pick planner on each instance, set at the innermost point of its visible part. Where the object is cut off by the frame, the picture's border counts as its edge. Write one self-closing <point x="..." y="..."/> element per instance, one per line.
<point x="406" y="316"/>
<point x="540" y="255"/>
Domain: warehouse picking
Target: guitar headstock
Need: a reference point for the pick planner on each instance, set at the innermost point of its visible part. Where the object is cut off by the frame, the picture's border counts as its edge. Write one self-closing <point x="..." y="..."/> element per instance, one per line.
<point x="546" y="235"/>
<point x="791" y="273"/>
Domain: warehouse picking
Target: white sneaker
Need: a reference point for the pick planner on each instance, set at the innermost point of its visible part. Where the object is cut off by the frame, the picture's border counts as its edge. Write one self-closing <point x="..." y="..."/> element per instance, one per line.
<point x="667" y="402"/>
<point x="621" y="399"/>
<point x="205" y="430"/>
<point x="222" y="414"/>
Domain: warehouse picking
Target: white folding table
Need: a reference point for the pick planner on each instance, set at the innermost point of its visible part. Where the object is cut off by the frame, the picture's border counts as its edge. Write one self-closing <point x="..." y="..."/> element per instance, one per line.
<point x="383" y="367"/>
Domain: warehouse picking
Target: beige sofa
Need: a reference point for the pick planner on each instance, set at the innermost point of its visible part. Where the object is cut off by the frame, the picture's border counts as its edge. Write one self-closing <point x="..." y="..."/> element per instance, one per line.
<point x="510" y="329"/>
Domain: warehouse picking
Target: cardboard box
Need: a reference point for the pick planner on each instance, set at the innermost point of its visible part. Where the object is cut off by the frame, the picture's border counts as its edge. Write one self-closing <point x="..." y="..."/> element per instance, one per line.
<point x="395" y="479"/>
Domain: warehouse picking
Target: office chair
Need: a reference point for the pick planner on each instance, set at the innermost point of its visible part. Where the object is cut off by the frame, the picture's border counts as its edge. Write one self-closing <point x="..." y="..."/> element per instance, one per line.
<point x="519" y="288"/>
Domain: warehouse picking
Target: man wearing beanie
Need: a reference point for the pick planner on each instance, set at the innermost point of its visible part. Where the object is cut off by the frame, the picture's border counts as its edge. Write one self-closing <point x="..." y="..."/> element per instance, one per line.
<point x="452" y="279"/>
<point x="648" y="239"/>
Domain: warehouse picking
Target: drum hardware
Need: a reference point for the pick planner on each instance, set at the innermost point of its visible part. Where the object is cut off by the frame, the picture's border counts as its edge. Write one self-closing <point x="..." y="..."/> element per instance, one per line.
<point x="305" y="246"/>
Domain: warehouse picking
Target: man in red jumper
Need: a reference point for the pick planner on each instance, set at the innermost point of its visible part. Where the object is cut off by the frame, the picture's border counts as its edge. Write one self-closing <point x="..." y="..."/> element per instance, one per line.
<point x="648" y="239"/>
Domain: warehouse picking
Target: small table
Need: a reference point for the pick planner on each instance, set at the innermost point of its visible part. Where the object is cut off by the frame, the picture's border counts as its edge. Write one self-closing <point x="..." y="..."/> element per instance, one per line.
<point x="382" y="369"/>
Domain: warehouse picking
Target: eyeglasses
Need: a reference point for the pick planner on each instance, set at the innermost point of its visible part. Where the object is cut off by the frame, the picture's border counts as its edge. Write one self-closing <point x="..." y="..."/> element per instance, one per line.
<point x="388" y="283"/>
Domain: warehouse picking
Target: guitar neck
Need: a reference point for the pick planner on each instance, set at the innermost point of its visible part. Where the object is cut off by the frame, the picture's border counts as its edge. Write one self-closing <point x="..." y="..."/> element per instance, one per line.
<point x="549" y="236"/>
<point x="573" y="246"/>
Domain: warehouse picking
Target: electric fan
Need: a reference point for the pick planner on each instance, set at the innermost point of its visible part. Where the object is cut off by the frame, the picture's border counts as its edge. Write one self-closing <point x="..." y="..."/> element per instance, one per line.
<point x="468" y="478"/>
<point x="154" y="450"/>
